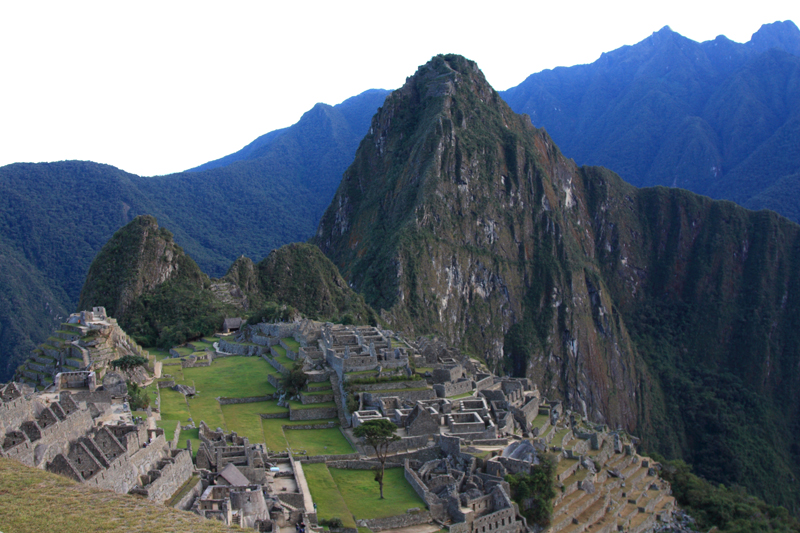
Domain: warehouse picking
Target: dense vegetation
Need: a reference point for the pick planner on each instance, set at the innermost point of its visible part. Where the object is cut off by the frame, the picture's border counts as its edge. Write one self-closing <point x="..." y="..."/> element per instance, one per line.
<point x="729" y="509"/>
<point x="161" y="297"/>
<point x="718" y="118"/>
<point x="301" y="276"/>
<point x="534" y="492"/>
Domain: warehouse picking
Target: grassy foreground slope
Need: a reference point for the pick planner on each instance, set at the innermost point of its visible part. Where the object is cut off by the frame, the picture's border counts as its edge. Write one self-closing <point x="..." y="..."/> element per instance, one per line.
<point x="31" y="500"/>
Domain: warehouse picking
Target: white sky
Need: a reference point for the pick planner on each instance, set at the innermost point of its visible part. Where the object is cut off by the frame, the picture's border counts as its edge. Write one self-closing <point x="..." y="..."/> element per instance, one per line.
<point x="159" y="87"/>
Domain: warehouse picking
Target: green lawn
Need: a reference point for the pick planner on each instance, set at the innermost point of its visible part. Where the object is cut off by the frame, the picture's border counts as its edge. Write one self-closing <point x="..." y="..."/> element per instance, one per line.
<point x="245" y="417"/>
<point x="159" y="353"/>
<point x="280" y="350"/>
<point x="284" y="361"/>
<point x="274" y="433"/>
<point x="558" y="438"/>
<point x="202" y="345"/>
<point x="363" y="497"/>
<point x="169" y="427"/>
<point x="325" y="493"/>
<point x="233" y="377"/>
<point x="292" y="344"/>
<point x="184" y="351"/>
<point x="173" y="406"/>
<point x="460" y="396"/>
<point x="539" y="421"/>
<point x="192" y="435"/>
<point x="205" y="407"/>
<point x="318" y="441"/>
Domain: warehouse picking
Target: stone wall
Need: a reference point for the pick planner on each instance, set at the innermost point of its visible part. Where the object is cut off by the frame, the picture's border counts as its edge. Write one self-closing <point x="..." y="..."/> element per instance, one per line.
<point x="272" y="379"/>
<point x="411" y="518"/>
<point x="292" y="498"/>
<point x="318" y="378"/>
<point x="276" y="365"/>
<point x="484" y="383"/>
<point x="312" y="413"/>
<point x="307" y="399"/>
<point x="249" y="399"/>
<point x="366" y="387"/>
<point x="318" y="425"/>
<point x="345" y="417"/>
<point x="326" y="458"/>
<point x="185" y="503"/>
<point x="238" y="349"/>
<point x="168" y="478"/>
<point x="446" y="390"/>
<point x="274" y="415"/>
<point x="176" y="439"/>
<point x="371" y="398"/>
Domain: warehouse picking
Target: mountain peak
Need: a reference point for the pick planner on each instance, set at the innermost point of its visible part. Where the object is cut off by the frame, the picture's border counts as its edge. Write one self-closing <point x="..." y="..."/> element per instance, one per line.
<point x="783" y="35"/>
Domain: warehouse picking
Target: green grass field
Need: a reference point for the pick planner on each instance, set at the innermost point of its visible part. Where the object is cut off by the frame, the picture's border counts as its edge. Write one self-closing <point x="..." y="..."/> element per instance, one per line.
<point x="274" y="433"/>
<point x="239" y="377"/>
<point x="245" y="417"/>
<point x="173" y="406"/>
<point x="363" y="497"/>
<point x="318" y="441"/>
<point x="292" y="344"/>
<point x="169" y="427"/>
<point x="325" y="492"/>
<point x="360" y="498"/>
<point x="233" y="377"/>
<point x="159" y="353"/>
<point x="33" y="500"/>
<point x="192" y="435"/>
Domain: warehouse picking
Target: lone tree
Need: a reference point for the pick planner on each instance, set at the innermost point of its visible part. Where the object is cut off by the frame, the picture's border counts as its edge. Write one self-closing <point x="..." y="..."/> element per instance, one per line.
<point x="379" y="434"/>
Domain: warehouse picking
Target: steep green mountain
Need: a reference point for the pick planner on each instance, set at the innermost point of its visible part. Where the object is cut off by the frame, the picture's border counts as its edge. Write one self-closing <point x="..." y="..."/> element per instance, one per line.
<point x="156" y="292"/>
<point x="56" y="217"/>
<point x="161" y="297"/>
<point x="301" y="276"/>
<point x="718" y="118"/>
<point x="668" y="314"/>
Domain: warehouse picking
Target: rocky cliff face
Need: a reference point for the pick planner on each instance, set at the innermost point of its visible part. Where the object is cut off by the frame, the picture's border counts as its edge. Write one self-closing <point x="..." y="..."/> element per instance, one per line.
<point x="657" y="310"/>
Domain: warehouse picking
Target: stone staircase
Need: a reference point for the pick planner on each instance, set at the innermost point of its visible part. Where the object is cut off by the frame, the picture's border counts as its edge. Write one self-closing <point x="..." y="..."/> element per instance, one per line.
<point x="632" y="501"/>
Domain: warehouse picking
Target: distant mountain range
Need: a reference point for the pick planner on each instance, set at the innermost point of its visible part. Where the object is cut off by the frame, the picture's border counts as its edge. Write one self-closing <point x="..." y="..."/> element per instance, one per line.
<point x="55" y="217"/>
<point x="718" y="118"/>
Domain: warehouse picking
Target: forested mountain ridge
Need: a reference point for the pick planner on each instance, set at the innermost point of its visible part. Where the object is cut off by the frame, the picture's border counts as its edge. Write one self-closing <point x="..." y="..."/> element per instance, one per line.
<point x="161" y="297"/>
<point x="657" y="310"/>
<point x="718" y="118"/>
<point x="56" y="216"/>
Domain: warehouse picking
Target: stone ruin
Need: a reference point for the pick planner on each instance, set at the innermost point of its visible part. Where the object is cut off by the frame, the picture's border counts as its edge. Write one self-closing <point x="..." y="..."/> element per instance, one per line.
<point x="61" y="437"/>
<point x="85" y="343"/>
